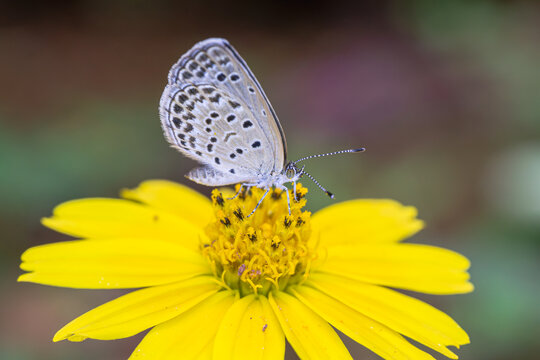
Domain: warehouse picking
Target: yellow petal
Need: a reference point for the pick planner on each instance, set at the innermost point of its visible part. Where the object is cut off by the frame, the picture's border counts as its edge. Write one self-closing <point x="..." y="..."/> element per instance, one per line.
<point x="310" y="336"/>
<point x="189" y="335"/>
<point x="174" y="198"/>
<point x="138" y="310"/>
<point x="94" y="218"/>
<point x="250" y="330"/>
<point x="111" y="263"/>
<point x="366" y="221"/>
<point x="404" y="314"/>
<point x="414" y="267"/>
<point x="378" y="338"/>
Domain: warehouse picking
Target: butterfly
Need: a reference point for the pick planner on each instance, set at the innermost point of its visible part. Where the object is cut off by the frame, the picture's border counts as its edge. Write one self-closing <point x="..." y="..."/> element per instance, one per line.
<point x="214" y="111"/>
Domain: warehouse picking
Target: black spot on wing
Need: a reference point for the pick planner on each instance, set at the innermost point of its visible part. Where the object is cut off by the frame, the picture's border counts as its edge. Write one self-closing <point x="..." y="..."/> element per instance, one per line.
<point x="188" y="116"/>
<point x="182" y="98"/>
<point x="234" y="104"/>
<point x="224" y="61"/>
<point x="215" y="99"/>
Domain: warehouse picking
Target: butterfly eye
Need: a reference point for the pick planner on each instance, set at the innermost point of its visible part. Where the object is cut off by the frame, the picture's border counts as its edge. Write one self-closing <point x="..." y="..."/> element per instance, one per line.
<point x="290" y="173"/>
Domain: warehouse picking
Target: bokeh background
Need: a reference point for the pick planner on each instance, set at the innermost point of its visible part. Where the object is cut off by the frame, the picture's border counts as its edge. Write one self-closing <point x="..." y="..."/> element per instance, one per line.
<point x="445" y="95"/>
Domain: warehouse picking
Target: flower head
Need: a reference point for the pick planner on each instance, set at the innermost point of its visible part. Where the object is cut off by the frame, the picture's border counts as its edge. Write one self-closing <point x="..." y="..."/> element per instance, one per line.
<point x="270" y="250"/>
<point x="259" y="279"/>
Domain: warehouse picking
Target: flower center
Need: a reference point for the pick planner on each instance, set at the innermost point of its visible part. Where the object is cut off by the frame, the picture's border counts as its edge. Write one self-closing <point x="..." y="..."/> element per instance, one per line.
<point x="269" y="248"/>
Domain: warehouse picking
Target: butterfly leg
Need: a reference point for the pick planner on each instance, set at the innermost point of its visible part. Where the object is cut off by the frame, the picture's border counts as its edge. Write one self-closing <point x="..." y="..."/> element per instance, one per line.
<point x="284" y="188"/>
<point x="247" y="186"/>
<point x="238" y="193"/>
<point x="260" y="201"/>
<point x="294" y="188"/>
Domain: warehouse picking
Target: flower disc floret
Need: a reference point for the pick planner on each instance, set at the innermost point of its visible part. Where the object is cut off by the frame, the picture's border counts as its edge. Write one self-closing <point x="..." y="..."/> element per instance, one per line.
<point x="269" y="248"/>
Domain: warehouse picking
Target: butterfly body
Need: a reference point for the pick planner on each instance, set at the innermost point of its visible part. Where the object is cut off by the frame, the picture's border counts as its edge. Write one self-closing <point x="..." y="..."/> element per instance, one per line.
<point x="214" y="111"/>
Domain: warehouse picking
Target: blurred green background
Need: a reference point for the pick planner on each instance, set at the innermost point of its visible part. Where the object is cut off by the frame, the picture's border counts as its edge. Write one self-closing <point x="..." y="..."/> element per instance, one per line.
<point x="445" y="95"/>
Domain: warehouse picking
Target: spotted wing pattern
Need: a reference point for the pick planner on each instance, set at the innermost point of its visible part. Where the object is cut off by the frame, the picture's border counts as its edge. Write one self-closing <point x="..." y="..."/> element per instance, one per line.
<point x="210" y="126"/>
<point x="214" y="111"/>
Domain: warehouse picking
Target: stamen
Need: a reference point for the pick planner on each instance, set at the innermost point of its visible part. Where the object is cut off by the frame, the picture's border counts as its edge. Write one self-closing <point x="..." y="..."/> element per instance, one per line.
<point x="241" y="269"/>
<point x="251" y="234"/>
<point x="238" y="213"/>
<point x="287" y="221"/>
<point x="276" y="195"/>
<point x="217" y="198"/>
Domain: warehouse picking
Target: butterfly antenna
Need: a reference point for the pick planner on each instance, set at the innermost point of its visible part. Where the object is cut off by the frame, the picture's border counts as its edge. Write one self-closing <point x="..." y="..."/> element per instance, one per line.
<point x="319" y="185"/>
<point x="332" y="153"/>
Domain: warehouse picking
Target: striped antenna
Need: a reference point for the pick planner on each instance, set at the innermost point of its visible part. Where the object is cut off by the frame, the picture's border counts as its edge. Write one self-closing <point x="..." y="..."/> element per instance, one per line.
<point x="328" y="154"/>
<point x="321" y="155"/>
<point x="319" y="185"/>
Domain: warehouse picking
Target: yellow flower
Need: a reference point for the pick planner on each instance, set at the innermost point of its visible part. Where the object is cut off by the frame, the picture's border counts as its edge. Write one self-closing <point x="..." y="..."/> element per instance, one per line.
<point x="218" y="285"/>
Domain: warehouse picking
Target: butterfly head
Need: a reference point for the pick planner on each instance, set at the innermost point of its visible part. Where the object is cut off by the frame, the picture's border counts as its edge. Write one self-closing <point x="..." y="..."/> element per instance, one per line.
<point x="292" y="172"/>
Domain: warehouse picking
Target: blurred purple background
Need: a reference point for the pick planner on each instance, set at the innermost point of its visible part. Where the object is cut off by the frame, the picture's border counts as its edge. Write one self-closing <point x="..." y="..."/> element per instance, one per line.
<point x="444" y="95"/>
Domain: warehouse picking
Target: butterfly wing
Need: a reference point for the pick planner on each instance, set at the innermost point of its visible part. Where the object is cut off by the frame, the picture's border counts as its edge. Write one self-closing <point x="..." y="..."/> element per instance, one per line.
<point x="210" y="126"/>
<point x="207" y="175"/>
<point x="214" y="111"/>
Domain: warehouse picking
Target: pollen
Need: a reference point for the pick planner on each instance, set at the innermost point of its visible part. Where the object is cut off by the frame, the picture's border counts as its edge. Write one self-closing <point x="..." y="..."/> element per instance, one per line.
<point x="269" y="249"/>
